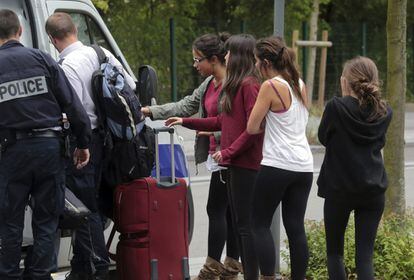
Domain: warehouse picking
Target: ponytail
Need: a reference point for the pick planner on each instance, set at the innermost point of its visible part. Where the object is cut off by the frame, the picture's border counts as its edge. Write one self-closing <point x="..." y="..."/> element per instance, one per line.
<point x="282" y="59"/>
<point x="361" y="74"/>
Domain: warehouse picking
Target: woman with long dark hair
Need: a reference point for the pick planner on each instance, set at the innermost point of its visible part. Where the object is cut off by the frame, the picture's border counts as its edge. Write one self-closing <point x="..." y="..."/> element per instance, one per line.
<point x="286" y="171"/>
<point x="208" y="56"/>
<point x="240" y="152"/>
<point x="352" y="176"/>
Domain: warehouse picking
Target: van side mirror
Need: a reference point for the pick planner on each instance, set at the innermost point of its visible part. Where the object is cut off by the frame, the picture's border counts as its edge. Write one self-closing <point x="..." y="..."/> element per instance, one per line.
<point x="147" y="85"/>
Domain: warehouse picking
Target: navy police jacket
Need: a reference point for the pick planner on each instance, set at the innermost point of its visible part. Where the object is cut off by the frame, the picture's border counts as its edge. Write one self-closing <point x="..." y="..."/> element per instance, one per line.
<point x="34" y="92"/>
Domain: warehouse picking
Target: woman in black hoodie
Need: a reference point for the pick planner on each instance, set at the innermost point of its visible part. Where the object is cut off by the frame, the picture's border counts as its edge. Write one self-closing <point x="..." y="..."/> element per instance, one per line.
<point x="352" y="176"/>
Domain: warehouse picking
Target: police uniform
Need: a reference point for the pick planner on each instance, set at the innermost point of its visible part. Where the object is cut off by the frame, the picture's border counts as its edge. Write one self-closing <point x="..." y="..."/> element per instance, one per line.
<point x="34" y="92"/>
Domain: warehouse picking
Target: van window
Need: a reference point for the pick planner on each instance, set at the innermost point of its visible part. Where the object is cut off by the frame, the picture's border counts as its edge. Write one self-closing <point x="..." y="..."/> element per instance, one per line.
<point x="89" y="32"/>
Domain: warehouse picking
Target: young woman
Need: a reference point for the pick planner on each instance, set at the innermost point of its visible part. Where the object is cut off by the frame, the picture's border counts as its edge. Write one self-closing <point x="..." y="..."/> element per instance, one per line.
<point x="208" y="55"/>
<point x="240" y="152"/>
<point x="352" y="176"/>
<point x="286" y="171"/>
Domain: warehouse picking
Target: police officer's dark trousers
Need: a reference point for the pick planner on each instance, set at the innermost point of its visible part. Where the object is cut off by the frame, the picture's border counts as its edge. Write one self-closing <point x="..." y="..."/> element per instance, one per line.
<point x="30" y="167"/>
<point x="89" y="252"/>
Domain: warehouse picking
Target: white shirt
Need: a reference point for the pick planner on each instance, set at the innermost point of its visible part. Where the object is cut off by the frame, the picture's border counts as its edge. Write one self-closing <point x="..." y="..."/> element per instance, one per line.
<point x="285" y="144"/>
<point x="79" y="63"/>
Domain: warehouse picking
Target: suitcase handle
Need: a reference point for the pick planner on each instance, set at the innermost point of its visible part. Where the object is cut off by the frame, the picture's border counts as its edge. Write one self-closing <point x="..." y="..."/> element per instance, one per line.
<point x="170" y="130"/>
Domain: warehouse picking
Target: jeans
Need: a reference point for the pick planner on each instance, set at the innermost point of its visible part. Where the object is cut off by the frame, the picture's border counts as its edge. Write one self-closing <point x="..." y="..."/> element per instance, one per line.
<point x="33" y="168"/>
<point x="89" y="252"/>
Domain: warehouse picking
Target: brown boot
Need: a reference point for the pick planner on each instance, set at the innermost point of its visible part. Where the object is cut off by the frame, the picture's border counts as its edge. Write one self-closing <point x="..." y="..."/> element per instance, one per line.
<point x="232" y="268"/>
<point x="262" y="277"/>
<point x="211" y="270"/>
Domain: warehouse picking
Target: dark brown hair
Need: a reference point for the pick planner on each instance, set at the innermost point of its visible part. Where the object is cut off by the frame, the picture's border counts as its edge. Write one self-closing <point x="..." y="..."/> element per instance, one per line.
<point x="241" y="64"/>
<point x="282" y="59"/>
<point x="60" y="25"/>
<point x="361" y="74"/>
<point x="9" y="24"/>
<point x="212" y="45"/>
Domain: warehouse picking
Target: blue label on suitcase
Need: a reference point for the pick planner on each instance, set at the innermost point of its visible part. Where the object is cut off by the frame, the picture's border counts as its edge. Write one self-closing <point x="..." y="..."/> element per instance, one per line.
<point x="181" y="170"/>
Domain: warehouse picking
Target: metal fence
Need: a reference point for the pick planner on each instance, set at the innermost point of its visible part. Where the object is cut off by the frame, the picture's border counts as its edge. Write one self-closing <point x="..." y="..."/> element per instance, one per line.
<point x="349" y="40"/>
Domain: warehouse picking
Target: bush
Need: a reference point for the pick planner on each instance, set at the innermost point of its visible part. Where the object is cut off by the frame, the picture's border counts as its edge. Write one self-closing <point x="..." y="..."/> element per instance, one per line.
<point x="393" y="255"/>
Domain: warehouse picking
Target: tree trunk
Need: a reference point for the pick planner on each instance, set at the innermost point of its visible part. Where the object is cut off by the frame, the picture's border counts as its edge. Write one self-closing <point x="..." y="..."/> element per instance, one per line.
<point x="313" y="34"/>
<point x="396" y="90"/>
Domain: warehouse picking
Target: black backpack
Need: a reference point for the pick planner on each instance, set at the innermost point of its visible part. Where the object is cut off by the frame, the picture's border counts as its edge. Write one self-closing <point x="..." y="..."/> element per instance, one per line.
<point x="131" y="159"/>
<point x="130" y="144"/>
<point x="126" y="161"/>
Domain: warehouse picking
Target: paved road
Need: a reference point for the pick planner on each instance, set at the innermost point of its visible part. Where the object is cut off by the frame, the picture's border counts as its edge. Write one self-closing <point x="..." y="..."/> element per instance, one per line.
<point x="198" y="247"/>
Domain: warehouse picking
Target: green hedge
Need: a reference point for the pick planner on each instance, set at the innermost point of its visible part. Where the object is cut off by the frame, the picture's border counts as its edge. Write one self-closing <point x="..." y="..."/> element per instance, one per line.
<point x="394" y="249"/>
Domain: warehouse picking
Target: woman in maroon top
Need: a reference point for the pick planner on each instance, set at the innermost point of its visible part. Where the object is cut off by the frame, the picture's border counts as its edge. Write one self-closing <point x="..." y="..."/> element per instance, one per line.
<point x="240" y="152"/>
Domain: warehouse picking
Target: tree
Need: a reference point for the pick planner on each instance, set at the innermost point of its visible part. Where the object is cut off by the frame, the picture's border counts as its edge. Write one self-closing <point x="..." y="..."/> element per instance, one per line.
<point x="141" y="29"/>
<point x="102" y="5"/>
<point x="396" y="88"/>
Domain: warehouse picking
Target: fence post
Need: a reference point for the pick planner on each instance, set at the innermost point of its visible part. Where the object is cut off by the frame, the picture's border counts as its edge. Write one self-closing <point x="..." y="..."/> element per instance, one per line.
<point x="242" y="26"/>
<point x="295" y="37"/>
<point x="279" y="18"/>
<point x="322" y="71"/>
<point x="304" y="50"/>
<point x="364" y="39"/>
<point x="173" y="63"/>
<point x="278" y="30"/>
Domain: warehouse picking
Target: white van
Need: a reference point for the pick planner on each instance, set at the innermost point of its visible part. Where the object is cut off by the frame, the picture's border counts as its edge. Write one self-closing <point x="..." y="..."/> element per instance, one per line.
<point x="91" y="30"/>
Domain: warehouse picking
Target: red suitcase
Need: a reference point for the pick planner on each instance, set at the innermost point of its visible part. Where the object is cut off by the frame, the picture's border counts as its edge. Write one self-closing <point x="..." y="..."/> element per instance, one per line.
<point x="152" y="216"/>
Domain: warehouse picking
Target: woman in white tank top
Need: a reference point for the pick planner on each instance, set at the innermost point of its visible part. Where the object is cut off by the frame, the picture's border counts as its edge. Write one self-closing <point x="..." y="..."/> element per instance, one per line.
<point x="287" y="167"/>
<point x="285" y="143"/>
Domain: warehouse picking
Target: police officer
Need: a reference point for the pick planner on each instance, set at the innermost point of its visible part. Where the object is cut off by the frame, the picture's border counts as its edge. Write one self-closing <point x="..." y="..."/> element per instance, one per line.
<point x="34" y="93"/>
<point x="90" y="256"/>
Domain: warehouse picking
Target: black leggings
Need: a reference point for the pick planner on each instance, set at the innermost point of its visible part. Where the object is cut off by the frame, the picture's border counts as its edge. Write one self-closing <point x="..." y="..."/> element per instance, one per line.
<point x="367" y="217"/>
<point x="274" y="185"/>
<point x="241" y="190"/>
<point x="220" y="229"/>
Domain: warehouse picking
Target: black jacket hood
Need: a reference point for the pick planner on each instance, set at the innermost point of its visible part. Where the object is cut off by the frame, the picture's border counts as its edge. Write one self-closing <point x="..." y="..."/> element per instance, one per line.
<point x="354" y="120"/>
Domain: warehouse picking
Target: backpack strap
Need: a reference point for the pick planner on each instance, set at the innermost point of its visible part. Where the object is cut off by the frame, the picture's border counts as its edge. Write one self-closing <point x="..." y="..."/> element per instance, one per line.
<point x="97" y="77"/>
<point x="101" y="55"/>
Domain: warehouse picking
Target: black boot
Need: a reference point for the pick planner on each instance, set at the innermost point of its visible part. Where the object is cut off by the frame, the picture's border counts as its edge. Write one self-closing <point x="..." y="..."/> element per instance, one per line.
<point x="78" y="276"/>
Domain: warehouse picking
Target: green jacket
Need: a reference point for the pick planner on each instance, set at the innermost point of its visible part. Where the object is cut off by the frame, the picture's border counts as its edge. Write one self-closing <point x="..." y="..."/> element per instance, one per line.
<point x="186" y="107"/>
